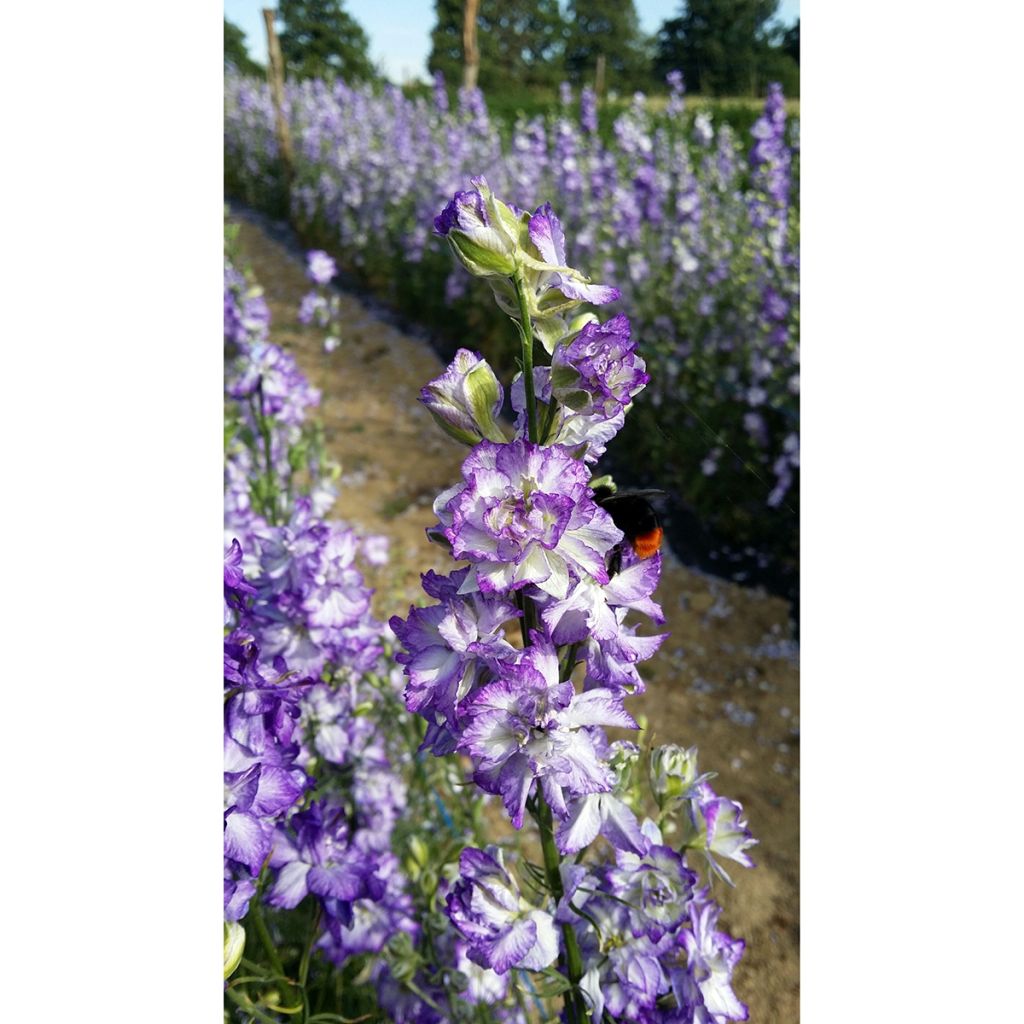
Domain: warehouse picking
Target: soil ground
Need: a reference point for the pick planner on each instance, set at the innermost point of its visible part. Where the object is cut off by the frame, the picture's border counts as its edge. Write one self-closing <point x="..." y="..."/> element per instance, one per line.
<point x="726" y="680"/>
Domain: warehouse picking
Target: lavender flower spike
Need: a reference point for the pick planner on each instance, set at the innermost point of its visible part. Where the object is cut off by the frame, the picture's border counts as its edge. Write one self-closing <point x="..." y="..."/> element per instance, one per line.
<point x="487" y="909"/>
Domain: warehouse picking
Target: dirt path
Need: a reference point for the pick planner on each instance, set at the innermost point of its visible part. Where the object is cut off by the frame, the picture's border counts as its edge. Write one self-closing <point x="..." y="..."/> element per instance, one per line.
<point x="726" y="680"/>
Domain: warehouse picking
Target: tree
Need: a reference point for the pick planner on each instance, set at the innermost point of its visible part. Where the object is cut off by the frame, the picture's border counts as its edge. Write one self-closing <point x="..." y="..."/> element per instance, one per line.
<point x="722" y="47"/>
<point x="519" y="41"/>
<point x="609" y="29"/>
<point x="791" y="41"/>
<point x="320" y="39"/>
<point x="236" y="52"/>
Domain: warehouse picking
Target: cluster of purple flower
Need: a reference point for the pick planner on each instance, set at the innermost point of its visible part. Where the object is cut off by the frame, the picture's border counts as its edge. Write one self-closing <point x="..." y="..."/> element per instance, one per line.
<point x="268" y="399"/>
<point x="318" y="764"/>
<point x="702" y="239"/>
<point x="313" y="789"/>
<point x="320" y="306"/>
<point x="636" y="938"/>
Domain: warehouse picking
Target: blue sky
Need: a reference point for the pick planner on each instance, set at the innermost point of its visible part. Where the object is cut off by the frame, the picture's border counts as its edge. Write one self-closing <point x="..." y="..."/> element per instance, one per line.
<point x="399" y="30"/>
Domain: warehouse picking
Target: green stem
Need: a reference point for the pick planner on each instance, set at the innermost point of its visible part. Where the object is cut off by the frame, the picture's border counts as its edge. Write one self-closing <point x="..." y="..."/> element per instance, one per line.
<point x="307" y="953"/>
<point x="571" y="657"/>
<point x="264" y="425"/>
<point x="241" y="1000"/>
<point x="573" y="957"/>
<point x="256" y="916"/>
<point x="527" y="331"/>
<point x="549" y="420"/>
<point x="528" y="620"/>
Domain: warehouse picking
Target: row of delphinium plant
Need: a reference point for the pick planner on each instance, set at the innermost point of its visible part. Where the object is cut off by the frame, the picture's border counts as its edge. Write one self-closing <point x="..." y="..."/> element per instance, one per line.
<point x="336" y="831"/>
<point x="698" y="226"/>
<point x="369" y="871"/>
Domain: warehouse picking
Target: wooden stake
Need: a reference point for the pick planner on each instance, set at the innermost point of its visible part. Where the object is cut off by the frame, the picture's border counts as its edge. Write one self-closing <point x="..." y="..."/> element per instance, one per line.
<point x="599" y="76"/>
<point x="275" y="76"/>
<point x="471" y="67"/>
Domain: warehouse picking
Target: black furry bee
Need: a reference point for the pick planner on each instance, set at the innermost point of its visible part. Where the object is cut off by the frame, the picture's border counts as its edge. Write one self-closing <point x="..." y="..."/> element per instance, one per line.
<point x="636" y="517"/>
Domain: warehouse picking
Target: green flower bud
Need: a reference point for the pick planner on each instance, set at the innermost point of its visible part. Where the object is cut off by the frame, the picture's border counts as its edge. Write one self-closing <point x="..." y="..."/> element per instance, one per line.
<point x="484" y="233"/>
<point x="673" y="773"/>
<point x="466" y="399"/>
<point x="234" y="945"/>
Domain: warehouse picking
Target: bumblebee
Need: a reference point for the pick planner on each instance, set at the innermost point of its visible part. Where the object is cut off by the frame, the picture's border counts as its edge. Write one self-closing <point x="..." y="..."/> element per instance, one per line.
<point x="635" y="516"/>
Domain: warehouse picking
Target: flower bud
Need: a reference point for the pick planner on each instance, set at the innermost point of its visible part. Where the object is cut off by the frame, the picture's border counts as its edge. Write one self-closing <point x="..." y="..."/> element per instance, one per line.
<point x="416" y="859"/>
<point x="465" y="399"/>
<point x="234" y="946"/>
<point x="673" y="772"/>
<point x="459" y="981"/>
<point x="403" y="960"/>
<point x="483" y="232"/>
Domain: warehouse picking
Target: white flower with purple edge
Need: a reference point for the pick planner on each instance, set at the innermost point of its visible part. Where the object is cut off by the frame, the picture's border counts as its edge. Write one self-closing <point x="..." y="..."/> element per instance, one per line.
<point x="551" y="273"/>
<point x="623" y="974"/>
<point x="502" y="930"/>
<point x="589" y="608"/>
<point x="599" y="814"/>
<point x="704" y="987"/>
<point x="715" y="825"/>
<point x="254" y="798"/>
<point x="656" y="886"/>
<point x="323" y="860"/>
<point x="528" y="727"/>
<point x="320" y="267"/>
<point x="599" y="368"/>
<point x="525" y="515"/>
<point x="612" y="663"/>
<point x="449" y="646"/>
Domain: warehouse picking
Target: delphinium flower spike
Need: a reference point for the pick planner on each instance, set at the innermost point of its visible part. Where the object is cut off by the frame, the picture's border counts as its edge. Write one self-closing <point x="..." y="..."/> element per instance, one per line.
<point x="632" y="937"/>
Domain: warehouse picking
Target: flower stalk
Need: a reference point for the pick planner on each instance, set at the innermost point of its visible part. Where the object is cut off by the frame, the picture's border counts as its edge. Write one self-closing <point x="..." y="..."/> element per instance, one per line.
<point x="317" y="765"/>
<point x="540" y="550"/>
<point x="526" y="330"/>
<point x="552" y="870"/>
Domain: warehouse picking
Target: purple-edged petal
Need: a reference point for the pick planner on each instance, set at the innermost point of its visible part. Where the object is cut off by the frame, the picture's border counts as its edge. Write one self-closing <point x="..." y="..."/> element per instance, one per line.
<point x="290" y="886"/>
<point x="600" y="707"/>
<point x="514" y="784"/>
<point x="246" y="839"/>
<point x="545" y="948"/>
<point x="511" y="947"/>
<point x="581" y="827"/>
<point x="620" y="827"/>
<point x="596" y="294"/>
<point x="546" y="233"/>
<point x="279" y="788"/>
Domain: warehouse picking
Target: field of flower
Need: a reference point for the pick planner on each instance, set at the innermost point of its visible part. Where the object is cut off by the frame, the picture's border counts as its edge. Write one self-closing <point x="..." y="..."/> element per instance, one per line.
<point x="458" y="810"/>
<point x="362" y="876"/>
<point x="696" y="225"/>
